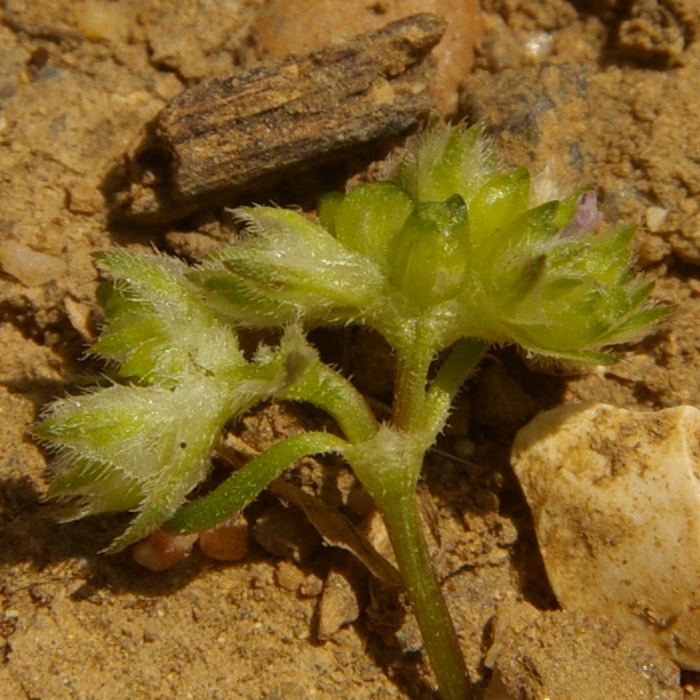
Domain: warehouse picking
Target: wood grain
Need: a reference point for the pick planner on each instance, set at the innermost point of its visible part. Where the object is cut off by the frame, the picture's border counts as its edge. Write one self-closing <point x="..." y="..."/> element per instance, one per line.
<point x="228" y="134"/>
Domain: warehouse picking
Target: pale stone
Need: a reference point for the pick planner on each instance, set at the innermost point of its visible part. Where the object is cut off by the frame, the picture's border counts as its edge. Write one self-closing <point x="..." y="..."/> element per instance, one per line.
<point x="616" y="504"/>
<point x="227" y="541"/>
<point x="564" y="654"/>
<point x="655" y="218"/>
<point x="28" y="266"/>
<point x="162" y="550"/>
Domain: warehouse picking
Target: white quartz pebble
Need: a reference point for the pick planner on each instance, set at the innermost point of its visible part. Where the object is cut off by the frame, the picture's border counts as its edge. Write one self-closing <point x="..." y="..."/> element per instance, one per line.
<point x="615" y="496"/>
<point x="31" y="268"/>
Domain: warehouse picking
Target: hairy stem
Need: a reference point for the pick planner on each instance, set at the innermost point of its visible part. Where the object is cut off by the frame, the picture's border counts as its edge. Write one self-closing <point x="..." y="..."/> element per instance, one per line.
<point x="245" y="484"/>
<point x="465" y="356"/>
<point x="330" y="391"/>
<point x="414" y="361"/>
<point x="388" y="467"/>
<point x="403" y="524"/>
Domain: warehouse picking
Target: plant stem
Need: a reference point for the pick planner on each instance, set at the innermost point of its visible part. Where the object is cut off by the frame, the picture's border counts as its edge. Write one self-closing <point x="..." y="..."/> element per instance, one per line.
<point x="331" y="392"/>
<point x="390" y="471"/>
<point x="414" y="361"/>
<point x="388" y="467"/>
<point x="402" y="520"/>
<point x="244" y="485"/>
<point x="465" y="356"/>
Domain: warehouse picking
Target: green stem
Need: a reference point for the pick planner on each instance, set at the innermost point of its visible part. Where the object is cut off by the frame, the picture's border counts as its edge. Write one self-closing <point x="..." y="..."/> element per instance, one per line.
<point x="465" y="356"/>
<point x="330" y="391"/>
<point x="388" y="467"/>
<point x="403" y="523"/>
<point x="244" y="485"/>
<point x="414" y="361"/>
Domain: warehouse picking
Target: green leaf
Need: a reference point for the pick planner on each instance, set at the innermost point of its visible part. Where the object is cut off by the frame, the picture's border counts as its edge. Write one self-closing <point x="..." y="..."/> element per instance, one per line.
<point x="245" y="484"/>
<point x="157" y="326"/>
<point x="445" y="162"/>
<point x="291" y="267"/>
<point x="369" y="218"/>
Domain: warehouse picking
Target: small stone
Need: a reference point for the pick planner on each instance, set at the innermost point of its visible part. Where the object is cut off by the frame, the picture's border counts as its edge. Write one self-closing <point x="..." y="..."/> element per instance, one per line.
<point x="339" y="604"/>
<point x="615" y="497"/>
<point x="312" y="587"/>
<point x="99" y="21"/>
<point x="29" y="266"/>
<point x="655" y="218"/>
<point x="82" y="198"/>
<point x="228" y="541"/>
<point x="161" y="550"/>
<point x="289" y="576"/>
<point x="80" y="316"/>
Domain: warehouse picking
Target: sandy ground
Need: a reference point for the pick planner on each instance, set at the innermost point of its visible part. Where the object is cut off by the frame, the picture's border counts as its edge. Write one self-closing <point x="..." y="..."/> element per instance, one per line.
<point x="605" y="92"/>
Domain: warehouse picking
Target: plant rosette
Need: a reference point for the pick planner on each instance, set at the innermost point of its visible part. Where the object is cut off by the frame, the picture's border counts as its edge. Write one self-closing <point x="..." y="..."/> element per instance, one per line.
<point x="450" y="254"/>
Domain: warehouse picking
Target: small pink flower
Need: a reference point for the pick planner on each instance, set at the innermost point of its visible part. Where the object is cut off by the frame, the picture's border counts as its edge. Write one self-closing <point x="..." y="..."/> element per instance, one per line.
<point x="586" y="218"/>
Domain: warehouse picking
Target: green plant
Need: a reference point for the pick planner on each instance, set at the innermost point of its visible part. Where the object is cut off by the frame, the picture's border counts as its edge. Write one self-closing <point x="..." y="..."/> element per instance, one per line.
<point x="447" y="258"/>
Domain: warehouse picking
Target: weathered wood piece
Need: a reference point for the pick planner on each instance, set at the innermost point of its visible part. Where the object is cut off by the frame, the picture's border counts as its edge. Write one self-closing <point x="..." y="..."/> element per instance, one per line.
<point x="228" y="134"/>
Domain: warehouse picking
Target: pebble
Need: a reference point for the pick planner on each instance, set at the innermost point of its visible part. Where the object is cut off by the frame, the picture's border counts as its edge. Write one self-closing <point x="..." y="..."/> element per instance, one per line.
<point x="615" y="497"/>
<point x="161" y="550"/>
<point x="228" y="541"/>
<point x="29" y="266"/>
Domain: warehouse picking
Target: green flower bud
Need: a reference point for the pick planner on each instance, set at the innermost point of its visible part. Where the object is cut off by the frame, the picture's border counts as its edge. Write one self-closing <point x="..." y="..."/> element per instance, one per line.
<point x="450" y="239"/>
<point x="368" y="219"/>
<point x="498" y="202"/>
<point x="536" y="276"/>
<point x="290" y="268"/>
<point x="144" y="447"/>
<point x="157" y="327"/>
<point x="135" y="448"/>
<point x="447" y="161"/>
<point x="327" y="210"/>
<point x="556" y="290"/>
<point x="586" y="297"/>
<point x="430" y="253"/>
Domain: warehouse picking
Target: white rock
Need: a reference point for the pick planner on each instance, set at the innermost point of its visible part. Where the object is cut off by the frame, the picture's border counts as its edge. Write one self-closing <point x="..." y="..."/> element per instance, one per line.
<point x="31" y="268"/>
<point x="615" y="497"/>
<point x="655" y="218"/>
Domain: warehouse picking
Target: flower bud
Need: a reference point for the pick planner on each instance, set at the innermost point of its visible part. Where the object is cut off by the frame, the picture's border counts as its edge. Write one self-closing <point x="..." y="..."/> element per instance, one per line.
<point x="429" y="257"/>
<point x="586" y="297"/>
<point x="134" y="447"/>
<point x="369" y="217"/>
<point x="548" y="283"/>
<point x="327" y="210"/>
<point x="143" y="447"/>
<point x="498" y="202"/>
<point x="157" y="327"/>
<point x="447" y="161"/>
<point x="290" y="268"/>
